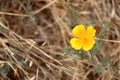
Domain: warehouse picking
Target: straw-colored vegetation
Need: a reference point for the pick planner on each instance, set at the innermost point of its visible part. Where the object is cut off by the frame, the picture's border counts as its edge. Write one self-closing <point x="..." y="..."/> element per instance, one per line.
<point x="35" y="40"/>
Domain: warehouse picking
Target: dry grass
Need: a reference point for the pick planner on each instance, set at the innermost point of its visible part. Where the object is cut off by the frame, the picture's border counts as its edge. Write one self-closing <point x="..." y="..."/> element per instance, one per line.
<point x="35" y="33"/>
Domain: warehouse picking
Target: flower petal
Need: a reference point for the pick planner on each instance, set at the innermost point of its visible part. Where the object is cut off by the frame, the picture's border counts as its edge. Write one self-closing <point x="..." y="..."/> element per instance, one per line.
<point x="91" y="31"/>
<point x="89" y="44"/>
<point x="79" y="31"/>
<point x="76" y="43"/>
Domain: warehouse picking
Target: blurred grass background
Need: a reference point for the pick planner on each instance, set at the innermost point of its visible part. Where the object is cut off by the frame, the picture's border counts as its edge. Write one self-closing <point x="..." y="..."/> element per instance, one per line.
<point x="35" y="34"/>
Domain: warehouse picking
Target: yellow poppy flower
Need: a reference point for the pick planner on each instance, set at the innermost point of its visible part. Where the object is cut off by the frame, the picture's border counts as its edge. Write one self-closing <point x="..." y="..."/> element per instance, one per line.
<point x="84" y="38"/>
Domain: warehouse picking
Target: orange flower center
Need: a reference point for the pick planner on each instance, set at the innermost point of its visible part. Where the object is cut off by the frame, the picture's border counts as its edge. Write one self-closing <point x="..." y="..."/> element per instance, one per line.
<point x="85" y="41"/>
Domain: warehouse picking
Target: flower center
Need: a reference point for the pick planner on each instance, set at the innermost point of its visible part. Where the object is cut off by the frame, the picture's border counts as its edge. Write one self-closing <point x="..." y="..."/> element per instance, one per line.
<point x="85" y="41"/>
